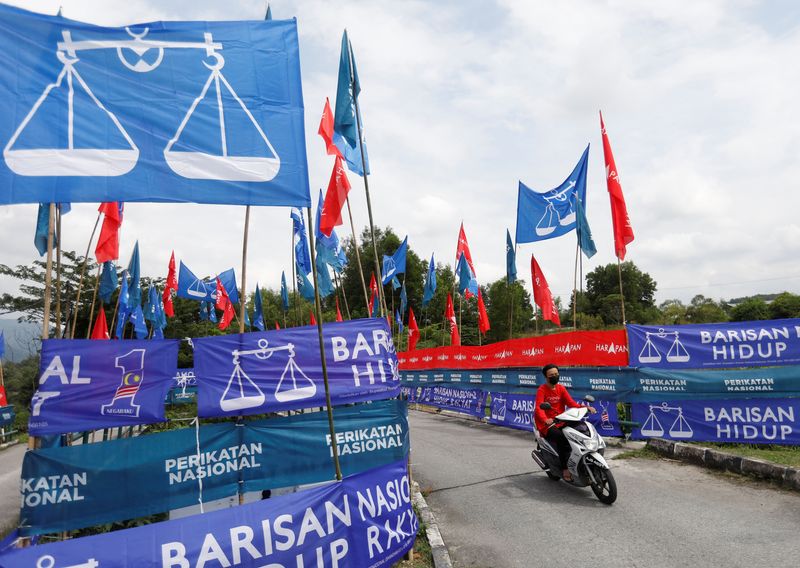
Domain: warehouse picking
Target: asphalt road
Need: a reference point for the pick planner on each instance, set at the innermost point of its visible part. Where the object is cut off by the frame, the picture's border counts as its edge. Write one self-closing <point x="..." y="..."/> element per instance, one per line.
<point x="10" y="467"/>
<point x="496" y="508"/>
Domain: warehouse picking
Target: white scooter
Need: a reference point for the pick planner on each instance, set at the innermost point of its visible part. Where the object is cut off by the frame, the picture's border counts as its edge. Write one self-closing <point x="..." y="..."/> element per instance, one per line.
<point x="586" y="462"/>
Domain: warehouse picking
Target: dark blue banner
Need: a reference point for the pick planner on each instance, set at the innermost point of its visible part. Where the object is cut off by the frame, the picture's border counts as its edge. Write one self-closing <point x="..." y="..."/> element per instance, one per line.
<point x="463" y="400"/>
<point x="271" y="371"/>
<point x="698" y="346"/>
<point x="773" y="421"/>
<point x="86" y="384"/>
<point x="516" y="411"/>
<point x="656" y="384"/>
<point x="7" y="416"/>
<point x="72" y="487"/>
<point x="364" y="520"/>
<point x="203" y="112"/>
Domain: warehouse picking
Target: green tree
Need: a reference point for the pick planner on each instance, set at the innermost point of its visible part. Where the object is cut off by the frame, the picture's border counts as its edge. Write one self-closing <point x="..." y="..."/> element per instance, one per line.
<point x="602" y="292"/>
<point x="785" y="305"/>
<point x="673" y="312"/>
<point x="498" y="299"/>
<point x="705" y="310"/>
<point x="751" y="309"/>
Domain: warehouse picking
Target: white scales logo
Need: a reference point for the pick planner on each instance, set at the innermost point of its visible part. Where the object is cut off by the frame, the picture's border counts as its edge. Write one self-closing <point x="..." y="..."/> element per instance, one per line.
<point x="680" y="427"/>
<point x="99" y="161"/>
<point x="551" y="216"/>
<point x="650" y="354"/>
<point x="241" y="392"/>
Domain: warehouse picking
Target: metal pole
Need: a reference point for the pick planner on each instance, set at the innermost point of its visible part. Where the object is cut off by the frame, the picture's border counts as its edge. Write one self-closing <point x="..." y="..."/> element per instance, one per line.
<point x="80" y="282"/>
<point x="243" y="296"/>
<point x="358" y="254"/>
<point x="318" y="306"/>
<point x="621" y="295"/>
<point x="378" y="275"/>
<point x="94" y="299"/>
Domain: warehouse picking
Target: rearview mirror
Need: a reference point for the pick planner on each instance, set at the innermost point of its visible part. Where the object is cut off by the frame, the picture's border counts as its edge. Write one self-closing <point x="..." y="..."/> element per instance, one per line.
<point x="588" y="398"/>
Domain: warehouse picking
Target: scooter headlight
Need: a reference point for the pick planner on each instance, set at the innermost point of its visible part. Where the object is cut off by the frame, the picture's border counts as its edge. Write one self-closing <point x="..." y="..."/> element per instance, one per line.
<point x="592" y="444"/>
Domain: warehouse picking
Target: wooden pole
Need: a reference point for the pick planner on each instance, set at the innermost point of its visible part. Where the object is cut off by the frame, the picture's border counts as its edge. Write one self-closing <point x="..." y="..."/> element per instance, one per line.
<point x="114" y="317"/>
<point x="58" y="271"/>
<point x="318" y="306"/>
<point x="575" y="288"/>
<point x="510" y="310"/>
<point x="80" y="281"/>
<point x="378" y="275"/>
<point x="344" y="297"/>
<point x="621" y="294"/>
<point x="94" y="299"/>
<point x="358" y="254"/>
<point x="294" y="283"/>
<point x="243" y="296"/>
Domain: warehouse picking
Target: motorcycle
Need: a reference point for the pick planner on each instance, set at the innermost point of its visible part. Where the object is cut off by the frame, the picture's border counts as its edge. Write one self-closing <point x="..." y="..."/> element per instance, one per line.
<point x="586" y="462"/>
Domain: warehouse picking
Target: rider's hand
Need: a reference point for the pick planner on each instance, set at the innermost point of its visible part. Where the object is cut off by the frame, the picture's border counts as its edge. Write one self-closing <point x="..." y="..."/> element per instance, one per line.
<point x="549" y="422"/>
<point x="592" y="410"/>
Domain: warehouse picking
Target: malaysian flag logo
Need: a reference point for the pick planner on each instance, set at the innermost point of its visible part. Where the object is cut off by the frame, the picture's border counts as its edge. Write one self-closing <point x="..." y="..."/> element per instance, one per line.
<point x="131" y="366"/>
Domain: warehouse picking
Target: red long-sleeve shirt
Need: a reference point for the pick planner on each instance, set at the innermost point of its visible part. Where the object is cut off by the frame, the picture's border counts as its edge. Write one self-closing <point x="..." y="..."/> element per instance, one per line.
<point x="559" y="400"/>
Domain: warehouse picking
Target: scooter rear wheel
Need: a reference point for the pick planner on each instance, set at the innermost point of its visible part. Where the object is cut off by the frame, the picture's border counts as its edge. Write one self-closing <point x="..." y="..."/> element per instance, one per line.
<point x="606" y="487"/>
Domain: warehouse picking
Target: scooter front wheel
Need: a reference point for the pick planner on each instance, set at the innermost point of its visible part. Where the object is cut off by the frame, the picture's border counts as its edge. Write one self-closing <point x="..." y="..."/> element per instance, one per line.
<point x="605" y="488"/>
<point x="552" y="476"/>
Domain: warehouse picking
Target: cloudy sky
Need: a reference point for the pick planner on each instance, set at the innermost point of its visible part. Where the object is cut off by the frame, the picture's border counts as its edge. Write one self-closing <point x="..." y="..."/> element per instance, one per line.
<point x="462" y="99"/>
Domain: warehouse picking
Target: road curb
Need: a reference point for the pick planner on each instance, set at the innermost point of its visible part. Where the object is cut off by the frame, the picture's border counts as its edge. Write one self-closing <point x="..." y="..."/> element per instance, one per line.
<point x="441" y="556"/>
<point x="787" y="477"/>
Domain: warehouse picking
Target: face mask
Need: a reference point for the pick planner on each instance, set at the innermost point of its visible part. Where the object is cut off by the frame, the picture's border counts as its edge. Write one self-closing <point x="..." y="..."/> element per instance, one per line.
<point x="553" y="380"/>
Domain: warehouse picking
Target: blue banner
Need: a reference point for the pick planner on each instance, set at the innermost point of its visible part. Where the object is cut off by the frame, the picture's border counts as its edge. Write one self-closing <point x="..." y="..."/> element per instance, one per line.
<point x="655" y="384"/>
<point x="203" y="112"/>
<point x="516" y="411"/>
<point x="71" y="487"/>
<point x="86" y="384"/>
<point x="184" y="389"/>
<point x="7" y="416"/>
<point x="463" y="400"/>
<point x="773" y="421"/>
<point x="271" y="371"/>
<point x="716" y="345"/>
<point x="552" y="213"/>
<point x="365" y="520"/>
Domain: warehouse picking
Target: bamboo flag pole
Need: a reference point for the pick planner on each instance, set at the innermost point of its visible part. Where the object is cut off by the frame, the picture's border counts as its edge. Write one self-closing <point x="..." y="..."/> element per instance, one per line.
<point x="340" y="284"/>
<point x="378" y="275"/>
<point x="510" y="310"/>
<point x="460" y="329"/>
<point x="358" y="254"/>
<point x="80" y="281"/>
<point x="294" y="282"/>
<point x="575" y="288"/>
<point x="318" y="307"/>
<point x="243" y="296"/>
<point x="58" y="271"/>
<point x="621" y="294"/>
<point x="94" y="299"/>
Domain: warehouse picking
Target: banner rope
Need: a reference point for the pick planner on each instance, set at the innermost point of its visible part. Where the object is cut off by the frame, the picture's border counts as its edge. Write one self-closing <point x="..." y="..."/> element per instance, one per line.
<point x="196" y="422"/>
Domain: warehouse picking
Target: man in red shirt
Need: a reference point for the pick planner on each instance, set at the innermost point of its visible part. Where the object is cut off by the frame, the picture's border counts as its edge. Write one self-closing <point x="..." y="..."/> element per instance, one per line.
<point x="559" y="400"/>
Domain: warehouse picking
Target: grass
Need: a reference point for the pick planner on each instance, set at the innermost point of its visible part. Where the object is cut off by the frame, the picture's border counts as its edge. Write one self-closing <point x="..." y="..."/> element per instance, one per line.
<point x="644" y="453"/>
<point x="423" y="558"/>
<point x="784" y="455"/>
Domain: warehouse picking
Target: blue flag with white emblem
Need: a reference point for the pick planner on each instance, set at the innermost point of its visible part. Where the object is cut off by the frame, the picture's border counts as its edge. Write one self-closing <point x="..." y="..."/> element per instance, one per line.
<point x="258" y="311"/>
<point x="204" y="112"/>
<point x="430" y="283"/>
<point x="395" y="264"/>
<point x="553" y="213"/>
<point x="511" y="259"/>
<point x="108" y="281"/>
<point x="284" y="292"/>
<point x="134" y="288"/>
<point x="346" y="116"/>
<point x="302" y="256"/>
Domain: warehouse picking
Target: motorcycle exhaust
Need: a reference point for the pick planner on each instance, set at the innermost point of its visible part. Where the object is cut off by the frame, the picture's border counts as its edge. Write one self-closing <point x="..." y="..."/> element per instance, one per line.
<point x="539" y="460"/>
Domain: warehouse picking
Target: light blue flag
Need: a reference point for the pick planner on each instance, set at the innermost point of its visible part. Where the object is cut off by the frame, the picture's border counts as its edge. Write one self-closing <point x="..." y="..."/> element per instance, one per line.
<point x="466" y="279"/>
<point x="138" y="321"/>
<point x="120" y="122"/>
<point x="399" y="321"/>
<point x="258" y="315"/>
<point x="203" y="311"/>
<point x="304" y="285"/>
<point x="122" y="306"/>
<point x="430" y="284"/>
<point x="585" y="240"/>
<point x="108" y="281"/>
<point x="134" y="288"/>
<point x="511" y="260"/>
<point x="551" y="214"/>
<point x="212" y="312"/>
<point x="284" y="292"/>
<point x="42" y="228"/>
<point x="324" y="279"/>
<point x="395" y="264"/>
<point x="2" y="345"/>
<point x="268" y="17"/>
<point x="403" y="300"/>
<point x="302" y="257"/>
<point x="247" y="324"/>
<point x="329" y="248"/>
<point x="345" y="123"/>
<point x="151" y="308"/>
<point x="395" y="283"/>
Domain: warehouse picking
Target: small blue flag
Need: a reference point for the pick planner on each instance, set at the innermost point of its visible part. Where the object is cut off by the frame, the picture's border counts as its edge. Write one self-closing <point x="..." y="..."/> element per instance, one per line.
<point x="511" y="259"/>
<point x="138" y="321"/>
<point x="466" y="279"/>
<point x="108" y="281"/>
<point x="345" y="122"/>
<point x="403" y="300"/>
<point x="212" y="312"/>
<point x="329" y="248"/>
<point x="151" y="308"/>
<point x="122" y="306"/>
<point x="302" y="257"/>
<point x="284" y="292"/>
<point x="247" y="324"/>
<point x="228" y="279"/>
<point x="395" y="264"/>
<point x="304" y="285"/>
<point x="430" y="284"/>
<point x="395" y="283"/>
<point x="42" y="228"/>
<point x="203" y="311"/>
<point x="258" y="307"/>
<point x="585" y="240"/>
<point x="376" y="312"/>
<point x="269" y="13"/>
<point x="2" y="345"/>
<point x="399" y="321"/>
<point x="324" y="278"/>
<point x="552" y="213"/>
<point x="134" y="288"/>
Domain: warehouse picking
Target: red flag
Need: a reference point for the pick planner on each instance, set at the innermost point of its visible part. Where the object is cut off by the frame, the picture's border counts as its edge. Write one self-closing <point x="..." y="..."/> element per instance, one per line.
<point x="166" y="296"/>
<point x="172" y="284"/>
<point x="450" y="314"/>
<point x="100" y="329"/>
<point x="623" y="232"/>
<point x="483" y="317"/>
<point x="463" y="247"/>
<point x="172" y="279"/>
<point x="338" y="312"/>
<point x="108" y="241"/>
<point x="326" y="130"/>
<point x="312" y="319"/>
<point x="542" y="295"/>
<point x="277" y="326"/>
<point x="224" y="303"/>
<point x="413" y="330"/>
<point x="3" y="399"/>
<point x="373" y="295"/>
<point x="335" y="197"/>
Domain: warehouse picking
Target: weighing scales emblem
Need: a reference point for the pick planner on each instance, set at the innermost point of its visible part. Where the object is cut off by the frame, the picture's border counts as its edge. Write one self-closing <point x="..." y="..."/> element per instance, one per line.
<point x="499" y="408"/>
<point x="72" y="93"/>
<point x="680" y="427"/>
<point x="551" y="217"/>
<point x="650" y="354"/>
<point x="242" y="393"/>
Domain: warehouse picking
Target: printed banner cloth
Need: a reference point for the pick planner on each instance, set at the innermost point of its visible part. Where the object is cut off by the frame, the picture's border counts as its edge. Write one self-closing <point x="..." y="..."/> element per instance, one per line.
<point x="574" y="348"/>
<point x="71" y="487"/>
<point x="86" y="384"/>
<point x="707" y="345"/>
<point x="516" y="411"/>
<point x="365" y="520"/>
<point x="772" y="421"/>
<point x="184" y="390"/>
<point x="655" y="384"/>
<point x="463" y="400"/>
<point x="203" y="112"/>
<point x="269" y="371"/>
